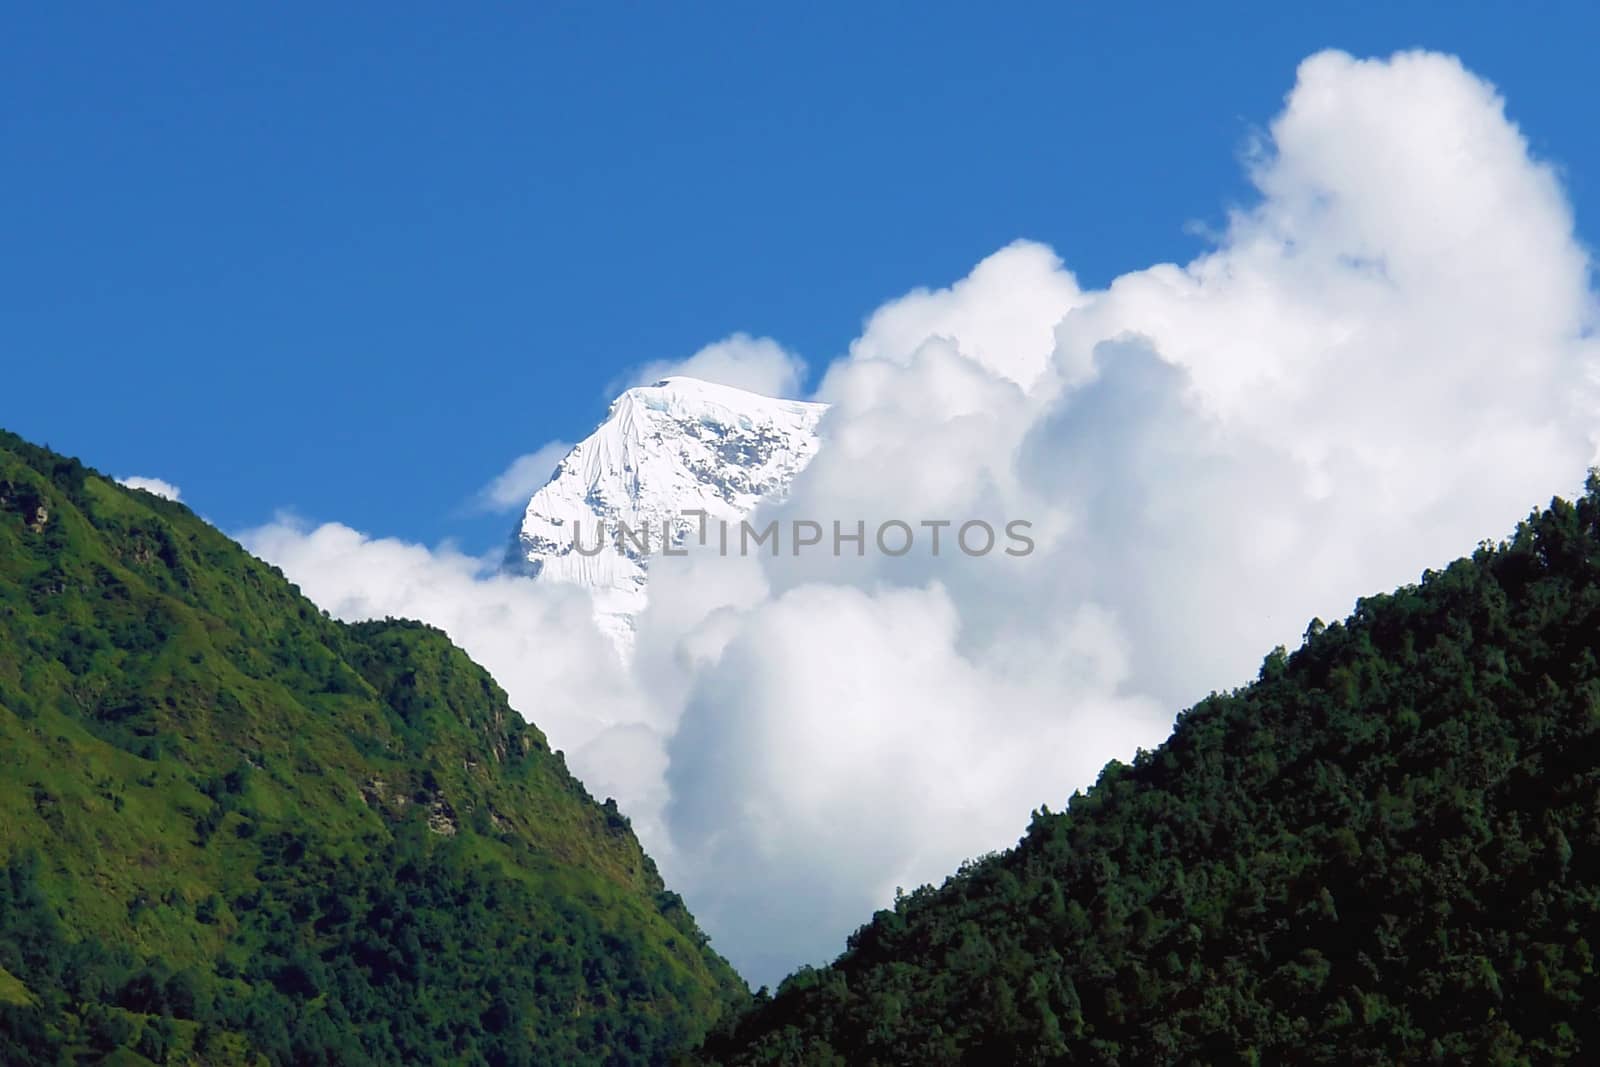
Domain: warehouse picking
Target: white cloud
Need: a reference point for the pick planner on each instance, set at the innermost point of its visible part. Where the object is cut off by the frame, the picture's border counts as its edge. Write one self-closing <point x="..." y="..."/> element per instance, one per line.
<point x="152" y="485"/>
<point x="1000" y="316"/>
<point x="511" y="488"/>
<point x="844" y="744"/>
<point x="1382" y="362"/>
<point x="756" y="364"/>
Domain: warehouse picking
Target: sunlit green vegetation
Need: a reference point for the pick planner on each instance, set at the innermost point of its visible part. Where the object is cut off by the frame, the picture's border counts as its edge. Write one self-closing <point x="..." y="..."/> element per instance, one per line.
<point x="233" y="830"/>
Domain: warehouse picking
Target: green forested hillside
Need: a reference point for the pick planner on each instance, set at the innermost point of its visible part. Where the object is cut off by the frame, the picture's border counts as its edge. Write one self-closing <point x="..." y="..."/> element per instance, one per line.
<point x="234" y="831"/>
<point x="1386" y="850"/>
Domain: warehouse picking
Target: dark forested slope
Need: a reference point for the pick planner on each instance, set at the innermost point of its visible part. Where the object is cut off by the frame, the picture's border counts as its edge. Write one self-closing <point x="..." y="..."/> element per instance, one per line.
<point x="234" y="831"/>
<point x="1385" y="850"/>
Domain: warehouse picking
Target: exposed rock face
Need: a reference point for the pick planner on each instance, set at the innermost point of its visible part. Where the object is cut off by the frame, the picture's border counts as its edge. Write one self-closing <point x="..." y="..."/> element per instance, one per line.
<point x="664" y="451"/>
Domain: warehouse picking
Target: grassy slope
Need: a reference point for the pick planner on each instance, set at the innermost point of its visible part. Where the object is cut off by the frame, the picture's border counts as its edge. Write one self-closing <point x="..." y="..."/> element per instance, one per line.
<point x="172" y="710"/>
<point x="1385" y="850"/>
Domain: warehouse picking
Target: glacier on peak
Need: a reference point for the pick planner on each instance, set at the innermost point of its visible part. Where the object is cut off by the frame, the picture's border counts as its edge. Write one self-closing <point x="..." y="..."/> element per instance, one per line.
<point x="664" y="452"/>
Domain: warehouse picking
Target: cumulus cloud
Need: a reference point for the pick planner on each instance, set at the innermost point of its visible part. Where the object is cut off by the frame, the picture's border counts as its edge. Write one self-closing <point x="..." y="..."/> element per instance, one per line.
<point x="152" y="485"/>
<point x="845" y="743"/>
<point x="1000" y="316"/>
<point x="1382" y="361"/>
<point x="756" y="364"/>
<point x="511" y="488"/>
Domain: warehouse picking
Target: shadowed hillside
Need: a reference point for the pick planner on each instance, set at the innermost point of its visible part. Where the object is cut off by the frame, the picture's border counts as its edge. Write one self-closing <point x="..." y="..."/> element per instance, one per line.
<point x="1387" y="849"/>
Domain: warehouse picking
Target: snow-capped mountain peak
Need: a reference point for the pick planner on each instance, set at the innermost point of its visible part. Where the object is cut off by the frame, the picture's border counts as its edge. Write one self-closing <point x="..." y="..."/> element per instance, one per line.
<point x="678" y="446"/>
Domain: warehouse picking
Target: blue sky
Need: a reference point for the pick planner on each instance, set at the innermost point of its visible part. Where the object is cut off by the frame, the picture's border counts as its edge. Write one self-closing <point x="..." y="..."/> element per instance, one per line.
<point x="353" y="264"/>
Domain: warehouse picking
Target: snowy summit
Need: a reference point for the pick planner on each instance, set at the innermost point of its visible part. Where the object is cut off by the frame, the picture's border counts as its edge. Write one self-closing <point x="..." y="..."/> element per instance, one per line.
<point x="680" y="445"/>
